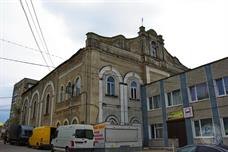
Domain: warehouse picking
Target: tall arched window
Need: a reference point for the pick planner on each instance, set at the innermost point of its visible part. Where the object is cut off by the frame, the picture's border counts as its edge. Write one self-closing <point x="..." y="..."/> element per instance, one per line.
<point x="133" y="89"/>
<point x="58" y="124"/>
<point x="61" y="94"/>
<point x="78" y="86"/>
<point x="153" y="49"/>
<point x="69" y="89"/>
<point x="47" y="104"/>
<point x="110" y="86"/>
<point x="34" y="110"/>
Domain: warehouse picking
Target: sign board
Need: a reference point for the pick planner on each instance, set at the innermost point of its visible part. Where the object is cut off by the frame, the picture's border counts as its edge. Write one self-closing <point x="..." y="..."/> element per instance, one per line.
<point x="188" y="113"/>
<point x="175" y="115"/>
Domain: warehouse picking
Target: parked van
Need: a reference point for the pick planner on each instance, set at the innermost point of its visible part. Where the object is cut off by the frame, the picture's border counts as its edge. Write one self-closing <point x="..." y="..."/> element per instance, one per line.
<point x="73" y="138"/>
<point x="19" y="134"/>
<point x="42" y="136"/>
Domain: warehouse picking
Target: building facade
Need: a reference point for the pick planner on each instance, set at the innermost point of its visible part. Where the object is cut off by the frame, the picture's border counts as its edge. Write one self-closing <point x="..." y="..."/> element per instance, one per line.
<point x="191" y="107"/>
<point x="100" y="83"/>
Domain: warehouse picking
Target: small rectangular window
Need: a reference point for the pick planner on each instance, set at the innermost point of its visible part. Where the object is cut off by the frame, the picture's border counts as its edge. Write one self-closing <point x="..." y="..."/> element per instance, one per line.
<point x="202" y="91"/>
<point x="169" y="99"/>
<point x="220" y="87"/>
<point x="176" y="97"/>
<point x="150" y="103"/>
<point x="203" y="127"/>
<point x="225" y="123"/>
<point x="156" y="131"/>
<point x="197" y="128"/>
<point x="156" y="101"/>
<point x="226" y="84"/>
<point x="206" y="127"/>
<point x="84" y="133"/>
<point x="193" y="93"/>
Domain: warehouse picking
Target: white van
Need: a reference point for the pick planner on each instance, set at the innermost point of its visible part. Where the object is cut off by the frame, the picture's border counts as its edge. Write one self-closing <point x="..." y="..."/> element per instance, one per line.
<point x="73" y="138"/>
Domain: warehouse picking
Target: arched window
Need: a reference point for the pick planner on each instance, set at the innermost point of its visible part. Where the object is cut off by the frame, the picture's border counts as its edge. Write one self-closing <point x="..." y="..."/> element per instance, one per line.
<point x="74" y="121"/>
<point x="58" y="124"/>
<point x="113" y="120"/>
<point x="133" y="89"/>
<point x="69" y="89"/>
<point x="78" y="86"/>
<point x="65" y="123"/>
<point x="47" y="104"/>
<point x="134" y="121"/>
<point x="153" y="49"/>
<point x="110" y="86"/>
<point x="61" y="94"/>
<point x="34" y="110"/>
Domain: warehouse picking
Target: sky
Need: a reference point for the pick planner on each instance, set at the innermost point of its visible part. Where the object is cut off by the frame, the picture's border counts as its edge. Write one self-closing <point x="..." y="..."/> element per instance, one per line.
<point x="195" y="31"/>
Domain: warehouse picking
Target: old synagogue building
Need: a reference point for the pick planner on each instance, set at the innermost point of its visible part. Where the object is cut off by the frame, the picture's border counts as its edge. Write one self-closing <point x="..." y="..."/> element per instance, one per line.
<point x="100" y="82"/>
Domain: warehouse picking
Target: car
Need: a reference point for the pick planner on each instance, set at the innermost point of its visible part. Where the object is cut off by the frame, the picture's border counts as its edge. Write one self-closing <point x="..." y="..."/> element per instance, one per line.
<point x="203" y="148"/>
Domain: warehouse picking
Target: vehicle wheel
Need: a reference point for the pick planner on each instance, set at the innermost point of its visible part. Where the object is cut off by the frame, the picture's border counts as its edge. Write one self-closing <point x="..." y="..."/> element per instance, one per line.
<point x="67" y="149"/>
<point x="52" y="148"/>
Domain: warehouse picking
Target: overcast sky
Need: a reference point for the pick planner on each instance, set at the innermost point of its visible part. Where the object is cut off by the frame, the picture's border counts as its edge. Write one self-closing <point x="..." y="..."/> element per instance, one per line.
<point x="195" y="31"/>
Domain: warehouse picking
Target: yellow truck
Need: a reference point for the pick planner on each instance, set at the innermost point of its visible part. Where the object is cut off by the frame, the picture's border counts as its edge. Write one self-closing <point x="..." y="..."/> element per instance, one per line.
<point x="42" y="136"/>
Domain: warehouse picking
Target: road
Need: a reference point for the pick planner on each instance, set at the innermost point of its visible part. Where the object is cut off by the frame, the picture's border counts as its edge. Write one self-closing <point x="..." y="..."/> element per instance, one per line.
<point x="14" y="148"/>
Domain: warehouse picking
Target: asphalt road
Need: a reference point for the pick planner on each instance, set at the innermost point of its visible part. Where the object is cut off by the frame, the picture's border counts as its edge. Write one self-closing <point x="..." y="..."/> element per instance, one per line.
<point x="14" y="148"/>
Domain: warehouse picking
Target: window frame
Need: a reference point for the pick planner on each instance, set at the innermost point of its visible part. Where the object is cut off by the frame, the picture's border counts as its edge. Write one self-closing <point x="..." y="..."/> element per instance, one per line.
<point x="133" y="90"/>
<point x="223" y="127"/>
<point x="153" y="102"/>
<point x="172" y="97"/>
<point x="78" y="86"/>
<point x="223" y="86"/>
<point x="47" y="104"/>
<point x="110" y="86"/>
<point x="196" y="93"/>
<point x="153" y="130"/>
<point x="200" y="127"/>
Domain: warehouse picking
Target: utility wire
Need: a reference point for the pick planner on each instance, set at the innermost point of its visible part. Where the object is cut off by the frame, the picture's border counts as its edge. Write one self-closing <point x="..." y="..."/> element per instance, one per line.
<point x="5" y="97"/>
<point x="14" y="60"/>
<point x="41" y="31"/>
<point x="17" y="44"/>
<point x="34" y="36"/>
<point x="38" y="33"/>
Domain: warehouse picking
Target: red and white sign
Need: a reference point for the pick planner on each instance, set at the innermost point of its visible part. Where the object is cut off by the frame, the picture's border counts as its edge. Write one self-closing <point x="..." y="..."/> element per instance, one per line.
<point x="188" y="113"/>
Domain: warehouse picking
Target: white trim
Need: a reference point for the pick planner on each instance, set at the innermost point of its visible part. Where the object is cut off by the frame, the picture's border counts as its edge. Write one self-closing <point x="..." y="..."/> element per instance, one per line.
<point x="57" y="123"/>
<point x="149" y="131"/>
<point x="150" y="69"/>
<point x="223" y="127"/>
<point x="75" y="118"/>
<point x="66" y="120"/>
<point x="32" y="104"/>
<point x="100" y="101"/>
<point x="132" y="74"/>
<point x="122" y="118"/>
<point x="103" y="71"/>
<point x="68" y="71"/>
<point x="52" y="100"/>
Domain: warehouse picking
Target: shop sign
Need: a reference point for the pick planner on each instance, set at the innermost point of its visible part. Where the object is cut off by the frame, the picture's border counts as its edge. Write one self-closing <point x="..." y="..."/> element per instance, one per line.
<point x="175" y="115"/>
<point x="188" y="113"/>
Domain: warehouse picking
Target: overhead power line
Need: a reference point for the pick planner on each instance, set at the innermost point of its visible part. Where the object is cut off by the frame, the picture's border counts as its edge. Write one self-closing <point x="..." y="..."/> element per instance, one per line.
<point x="5" y="97"/>
<point x="41" y="31"/>
<point x="34" y="36"/>
<point x="14" y="60"/>
<point x="27" y="47"/>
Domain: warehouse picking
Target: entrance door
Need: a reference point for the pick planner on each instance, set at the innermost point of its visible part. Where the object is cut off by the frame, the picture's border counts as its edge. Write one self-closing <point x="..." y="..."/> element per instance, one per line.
<point x="176" y="129"/>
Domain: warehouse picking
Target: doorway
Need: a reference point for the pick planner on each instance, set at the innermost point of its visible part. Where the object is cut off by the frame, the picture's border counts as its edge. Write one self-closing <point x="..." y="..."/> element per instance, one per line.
<point x="177" y="129"/>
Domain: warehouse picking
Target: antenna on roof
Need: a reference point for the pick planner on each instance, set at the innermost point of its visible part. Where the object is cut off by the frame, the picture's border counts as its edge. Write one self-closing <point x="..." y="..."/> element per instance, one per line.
<point x="142" y="21"/>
